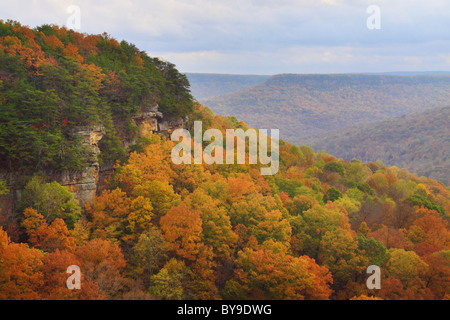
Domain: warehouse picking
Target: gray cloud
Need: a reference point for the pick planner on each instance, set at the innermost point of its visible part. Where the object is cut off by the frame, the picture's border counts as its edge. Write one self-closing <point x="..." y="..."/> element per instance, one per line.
<point x="264" y="36"/>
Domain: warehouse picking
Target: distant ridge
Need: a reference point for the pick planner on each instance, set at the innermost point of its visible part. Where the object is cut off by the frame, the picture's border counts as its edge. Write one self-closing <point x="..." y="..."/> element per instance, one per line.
<point x="207" y="85"/>
<point x="419" y="142"/>
<point x="303" y="106"/>
<point x="409" y="73"/>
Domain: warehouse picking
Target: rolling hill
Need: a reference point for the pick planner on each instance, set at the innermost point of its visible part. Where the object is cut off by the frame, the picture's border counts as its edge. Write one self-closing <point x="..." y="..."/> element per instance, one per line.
<point x="303" y="106"/>
<point x="418" y="142"/>
<point x="207" y="85"/>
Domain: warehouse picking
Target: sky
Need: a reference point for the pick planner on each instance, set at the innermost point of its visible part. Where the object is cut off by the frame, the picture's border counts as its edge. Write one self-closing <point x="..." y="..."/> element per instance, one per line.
<point x="263" y="36"/>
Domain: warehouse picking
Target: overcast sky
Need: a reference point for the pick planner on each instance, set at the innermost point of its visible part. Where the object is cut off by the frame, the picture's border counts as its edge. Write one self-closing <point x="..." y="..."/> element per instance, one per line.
<point x="264" y="36"/>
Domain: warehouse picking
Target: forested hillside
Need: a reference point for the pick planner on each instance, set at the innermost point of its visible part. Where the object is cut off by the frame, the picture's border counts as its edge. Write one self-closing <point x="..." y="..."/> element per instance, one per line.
<point x="160" y="230"/>
<point x="306" y="105"/>
<point x="53" y="80"/>
<point x="418" y="142"/>
<point x="207" y="85"/>
<point x="166" y="231"/>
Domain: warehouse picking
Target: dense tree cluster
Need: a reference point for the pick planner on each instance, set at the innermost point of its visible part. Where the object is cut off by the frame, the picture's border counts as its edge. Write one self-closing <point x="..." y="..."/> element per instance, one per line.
<point x="418" y="142"/>
<point x="53" y="80"/>
<point x="158" y="230"/>
<point x="167" y="231"/>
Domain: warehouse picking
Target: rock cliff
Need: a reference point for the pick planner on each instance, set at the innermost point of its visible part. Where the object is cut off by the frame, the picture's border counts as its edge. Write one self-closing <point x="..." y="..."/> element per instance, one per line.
<point x="84" y="184"/>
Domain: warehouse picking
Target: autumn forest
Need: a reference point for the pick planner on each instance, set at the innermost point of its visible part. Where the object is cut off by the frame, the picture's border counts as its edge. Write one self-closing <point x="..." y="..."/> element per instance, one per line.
<point x="162" y="231"/>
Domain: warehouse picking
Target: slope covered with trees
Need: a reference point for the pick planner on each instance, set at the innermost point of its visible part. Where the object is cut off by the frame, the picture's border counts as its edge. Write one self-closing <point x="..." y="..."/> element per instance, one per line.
<point x="418" y="142"/>
<point x="158" y="230"/>
<point x="166" y="231"/>
<point x="306" y="105"/>
<point x="53" y="80"/>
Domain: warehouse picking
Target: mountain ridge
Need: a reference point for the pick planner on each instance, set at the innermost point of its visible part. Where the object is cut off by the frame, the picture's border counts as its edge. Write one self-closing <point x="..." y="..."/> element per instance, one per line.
<point x="307" y="105"/>
<point x="418" y="142"/>
<point x="207" y="85"/>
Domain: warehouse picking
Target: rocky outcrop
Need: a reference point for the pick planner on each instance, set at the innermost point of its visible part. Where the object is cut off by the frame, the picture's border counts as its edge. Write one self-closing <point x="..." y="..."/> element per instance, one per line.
<point x="84" y="184"/>
<point x="168" y="126"/>
<point x="154" y="121"/>
<point x="90" y="136"/>
<point x="148" y="121"/>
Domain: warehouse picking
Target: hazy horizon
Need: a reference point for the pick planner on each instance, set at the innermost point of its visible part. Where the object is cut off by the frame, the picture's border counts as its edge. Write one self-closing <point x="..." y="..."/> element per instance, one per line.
<point x="404" y="72"/>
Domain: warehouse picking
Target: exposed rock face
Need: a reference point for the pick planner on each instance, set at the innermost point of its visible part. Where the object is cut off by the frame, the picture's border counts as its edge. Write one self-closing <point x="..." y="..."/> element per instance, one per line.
<point x="90" y="135"/>
<point x="168" y="126"/>
<point x="153" y="121"/>
<point x="147" y="121"/>
<point x="85" y="184"/>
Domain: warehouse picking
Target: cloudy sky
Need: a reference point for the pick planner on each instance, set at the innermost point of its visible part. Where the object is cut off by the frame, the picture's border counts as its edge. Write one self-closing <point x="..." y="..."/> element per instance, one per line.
<point x="264" y="36"/>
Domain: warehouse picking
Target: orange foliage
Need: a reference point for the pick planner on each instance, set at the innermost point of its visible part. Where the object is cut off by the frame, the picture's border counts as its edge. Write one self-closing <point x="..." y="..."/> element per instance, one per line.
<point x="139" y="61"/>
<point x="53" y="42"/>
<point x="153" y="164"/>
<point x="429" y="234"/>
<point x="272" y="274"/>
<point x="31" y="56"/>
<point x="103" y="263"/>
<point x="20" y="276"/>
<point x="55" y="278"/>
<point x="182" y="227"/>
<point x="86" y="43"/>
<point x="44" y="236"/>
<point x="71" y="50"/>
<point x="392" y="238"/>
<point x="116" y="216"/>
<point x="94" y="75"/>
